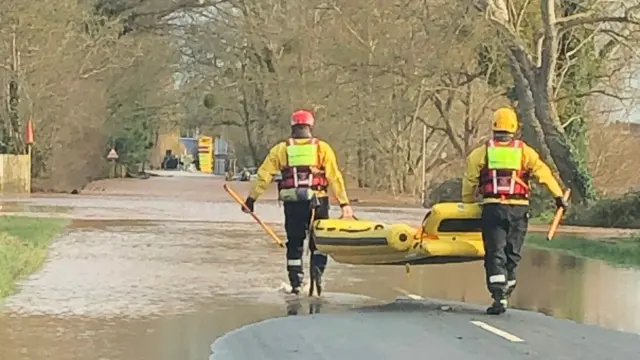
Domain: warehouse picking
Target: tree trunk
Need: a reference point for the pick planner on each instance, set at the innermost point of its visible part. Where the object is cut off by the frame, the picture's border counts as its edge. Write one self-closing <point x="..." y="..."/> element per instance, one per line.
<point x="572" y="168"/>
<point x="531" y="90"/>
<point x="247" y="129"/>
<point x="578" y="79"/>
<point x="531" y="130"/>
<point x="540" y="83"/>
<point x="361" y="162"/>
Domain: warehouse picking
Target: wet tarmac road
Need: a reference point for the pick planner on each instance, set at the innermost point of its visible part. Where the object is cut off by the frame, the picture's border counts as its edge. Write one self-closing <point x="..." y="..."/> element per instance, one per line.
<point x="140" y="278"/>
<point x="418" y="330"/>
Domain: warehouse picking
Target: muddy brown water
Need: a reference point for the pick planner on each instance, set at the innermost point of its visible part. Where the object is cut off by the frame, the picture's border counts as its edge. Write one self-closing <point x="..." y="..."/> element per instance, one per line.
<point x="135" y="277"/>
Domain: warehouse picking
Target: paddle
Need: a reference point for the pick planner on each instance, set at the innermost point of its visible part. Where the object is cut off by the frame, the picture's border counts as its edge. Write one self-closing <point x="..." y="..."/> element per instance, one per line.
<point x="557" y="217"/>
<point x="266" y="228"/>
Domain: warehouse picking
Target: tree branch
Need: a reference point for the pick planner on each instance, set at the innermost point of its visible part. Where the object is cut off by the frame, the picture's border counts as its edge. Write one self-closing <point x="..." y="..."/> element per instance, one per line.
<point x="521" y="14"/>
<point x="444" y="109"/>
<point x="592" y="92"/>
<point x="591" y="17"/>
<point x="98" y="70"/>
<point x="550" y="45"/>
<point x="351" y="29"/>
<point x="496" y="12"/>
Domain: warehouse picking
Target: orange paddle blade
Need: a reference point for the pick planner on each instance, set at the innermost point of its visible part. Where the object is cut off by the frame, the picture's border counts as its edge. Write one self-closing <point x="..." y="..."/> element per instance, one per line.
<point x="558" y="217"/>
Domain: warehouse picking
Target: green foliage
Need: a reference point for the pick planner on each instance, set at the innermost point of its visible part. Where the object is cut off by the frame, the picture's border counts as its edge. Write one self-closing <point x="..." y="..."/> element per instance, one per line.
<point x="209" y="101"/>
<point x="585" y="178"/>
<point x="622" y="212"/>
<point x="133" y="134"/>
<point x="23" y="247"/>
<point x="112" y="8"/>
<point x="544" y="218"/>
<point x="616" y="251"/>
<point x="579" y="78"/>
<point x="512" y="94"/>
<point x="542" y="203"/>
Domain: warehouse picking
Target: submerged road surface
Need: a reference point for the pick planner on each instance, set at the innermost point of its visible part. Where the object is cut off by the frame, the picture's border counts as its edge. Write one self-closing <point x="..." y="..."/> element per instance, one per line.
<point x="424" y="330"/>
<point x="161" y="268"/>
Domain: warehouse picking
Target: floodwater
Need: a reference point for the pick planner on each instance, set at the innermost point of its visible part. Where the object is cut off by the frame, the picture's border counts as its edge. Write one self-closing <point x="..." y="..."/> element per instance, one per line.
<point x="136" y="277"/>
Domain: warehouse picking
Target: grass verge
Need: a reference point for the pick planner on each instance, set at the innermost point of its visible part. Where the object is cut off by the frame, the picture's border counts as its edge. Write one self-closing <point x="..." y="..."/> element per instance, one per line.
<point x="623" y="251"/>
<point x="23" y="247"/>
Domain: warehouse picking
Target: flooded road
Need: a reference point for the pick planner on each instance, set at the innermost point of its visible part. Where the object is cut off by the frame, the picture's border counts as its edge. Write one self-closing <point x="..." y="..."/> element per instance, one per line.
<point x="141" y="277"/>
<point x="142" y="290"/>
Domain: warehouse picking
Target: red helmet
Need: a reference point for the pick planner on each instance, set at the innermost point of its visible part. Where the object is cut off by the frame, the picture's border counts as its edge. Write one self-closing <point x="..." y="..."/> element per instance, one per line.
<point x="302" y="117"/>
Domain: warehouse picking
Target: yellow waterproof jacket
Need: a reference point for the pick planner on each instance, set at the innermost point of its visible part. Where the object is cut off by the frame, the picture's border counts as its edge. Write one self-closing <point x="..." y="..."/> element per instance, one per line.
<point x="532" y="162"/>
<point x="276" y="160"/>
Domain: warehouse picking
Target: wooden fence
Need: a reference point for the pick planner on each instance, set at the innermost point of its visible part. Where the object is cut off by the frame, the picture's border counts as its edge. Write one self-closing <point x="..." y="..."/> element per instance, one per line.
<point x="15" y="174"/>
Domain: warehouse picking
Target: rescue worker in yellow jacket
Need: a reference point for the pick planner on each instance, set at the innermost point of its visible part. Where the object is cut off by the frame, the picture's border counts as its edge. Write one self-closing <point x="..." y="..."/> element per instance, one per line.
<point x="499" y="171"/>
<point x="308" y="166"/>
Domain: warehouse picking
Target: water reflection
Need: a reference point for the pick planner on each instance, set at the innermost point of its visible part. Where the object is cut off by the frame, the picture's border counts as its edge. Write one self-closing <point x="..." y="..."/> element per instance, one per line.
<point x="178" y="279"/>
<point x="548" y="282"/>
<point x="295" y="307"/>
<point x="185" y="336"/>
<point x="551" y="283"/>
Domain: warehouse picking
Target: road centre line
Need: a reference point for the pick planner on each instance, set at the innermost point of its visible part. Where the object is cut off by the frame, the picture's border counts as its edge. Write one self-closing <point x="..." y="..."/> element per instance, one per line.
<point x="497" y="331"/>
<point x="480" y="324"/>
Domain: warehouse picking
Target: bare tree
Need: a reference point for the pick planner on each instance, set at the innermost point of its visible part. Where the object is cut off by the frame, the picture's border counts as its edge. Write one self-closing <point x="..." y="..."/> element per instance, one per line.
<point x="534" y="69"/>
<point x="374" y="76"/>
<point x="70" y="59"/>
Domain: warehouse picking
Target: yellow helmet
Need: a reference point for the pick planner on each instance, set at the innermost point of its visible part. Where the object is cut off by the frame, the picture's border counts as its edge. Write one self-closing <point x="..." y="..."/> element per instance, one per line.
<point x="505" y="119"/>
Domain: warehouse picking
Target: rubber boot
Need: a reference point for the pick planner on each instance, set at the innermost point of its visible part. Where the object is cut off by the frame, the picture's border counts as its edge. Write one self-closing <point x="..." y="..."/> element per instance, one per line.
<point x="315" y="272"/>
<point x="318" y="264"/>
<point x="295" y="280"/>
<point x="317" y="279"/>
<point x="498" y="307"/>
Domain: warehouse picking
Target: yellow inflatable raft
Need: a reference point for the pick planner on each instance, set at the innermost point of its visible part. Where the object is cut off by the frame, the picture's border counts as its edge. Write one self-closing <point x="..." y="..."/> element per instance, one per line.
<point x="450" y="233"/>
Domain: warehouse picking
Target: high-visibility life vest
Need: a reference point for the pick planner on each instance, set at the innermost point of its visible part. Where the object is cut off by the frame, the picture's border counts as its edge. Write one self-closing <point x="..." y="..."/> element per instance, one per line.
<point x="503" y="175"/>
<point x="303" y="169"/>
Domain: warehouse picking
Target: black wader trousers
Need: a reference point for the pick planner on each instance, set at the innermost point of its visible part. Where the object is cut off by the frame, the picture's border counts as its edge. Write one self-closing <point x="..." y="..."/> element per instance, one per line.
<point x="297" y="218"/>
<point x="504" y="228"/>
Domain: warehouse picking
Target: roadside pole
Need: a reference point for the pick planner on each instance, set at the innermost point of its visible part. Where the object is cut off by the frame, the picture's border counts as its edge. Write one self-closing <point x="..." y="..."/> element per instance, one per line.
<point x="112" y="157"/>
<point x="423" y="189"/>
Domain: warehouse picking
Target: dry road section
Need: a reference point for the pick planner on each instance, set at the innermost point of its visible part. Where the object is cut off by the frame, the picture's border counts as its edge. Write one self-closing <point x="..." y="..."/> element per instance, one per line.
<point x="424" y="329"/>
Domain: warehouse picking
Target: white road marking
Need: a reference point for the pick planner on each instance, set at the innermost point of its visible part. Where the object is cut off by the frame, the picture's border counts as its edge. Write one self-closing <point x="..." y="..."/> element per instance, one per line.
<point x="479" y="324"/>
<point x="408" y="294"/>
<point x="497" y="331"/>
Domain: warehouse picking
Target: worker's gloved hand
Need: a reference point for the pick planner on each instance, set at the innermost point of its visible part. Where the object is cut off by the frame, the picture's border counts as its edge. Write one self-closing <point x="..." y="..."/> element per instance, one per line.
<point x="561" y="203"/>
<point x="347" y="212"/>
<point x="249" y="204"/>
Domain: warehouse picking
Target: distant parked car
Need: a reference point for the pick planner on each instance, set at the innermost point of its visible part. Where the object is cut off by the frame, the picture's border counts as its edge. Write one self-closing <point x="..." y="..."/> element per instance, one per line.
<point x="254" y="173"/>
